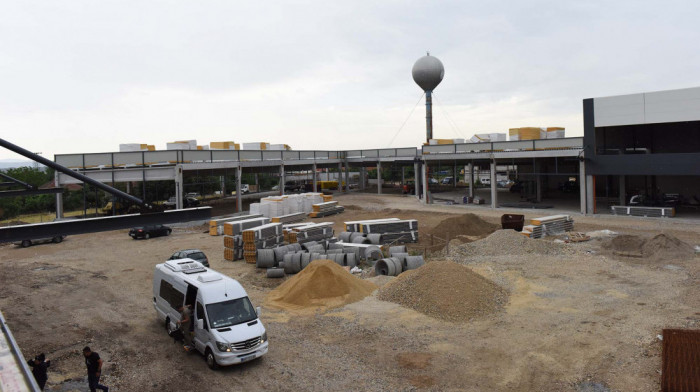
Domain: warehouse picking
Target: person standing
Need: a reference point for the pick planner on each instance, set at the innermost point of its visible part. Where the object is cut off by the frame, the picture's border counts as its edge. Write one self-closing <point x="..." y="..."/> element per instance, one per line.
<point x="39" y="366"/>
<point x="94" y="370"/>
<point x="184" y="324"/>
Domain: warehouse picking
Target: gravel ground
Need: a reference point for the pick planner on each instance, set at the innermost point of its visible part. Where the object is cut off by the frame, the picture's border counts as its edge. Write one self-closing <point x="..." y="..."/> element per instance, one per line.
<point x="576" y="316"/>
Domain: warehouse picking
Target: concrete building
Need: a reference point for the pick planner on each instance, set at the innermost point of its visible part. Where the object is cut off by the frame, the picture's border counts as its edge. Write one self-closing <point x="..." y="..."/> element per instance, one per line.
<point x="645" y="145"/>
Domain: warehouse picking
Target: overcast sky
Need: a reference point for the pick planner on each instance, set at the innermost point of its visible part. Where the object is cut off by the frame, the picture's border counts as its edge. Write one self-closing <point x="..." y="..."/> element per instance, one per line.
<point x="85" y="76"/>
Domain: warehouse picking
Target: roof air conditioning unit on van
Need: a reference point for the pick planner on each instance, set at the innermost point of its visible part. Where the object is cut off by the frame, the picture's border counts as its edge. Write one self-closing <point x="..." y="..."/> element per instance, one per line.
<point x="187" y="266"/>
<point x="210" y="277"/>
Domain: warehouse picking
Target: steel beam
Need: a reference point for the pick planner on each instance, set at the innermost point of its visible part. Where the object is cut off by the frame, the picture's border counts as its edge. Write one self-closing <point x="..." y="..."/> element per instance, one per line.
<point x="21" y="151"/>
<point x="29" y="192"/>
<point x="92" y="225"/>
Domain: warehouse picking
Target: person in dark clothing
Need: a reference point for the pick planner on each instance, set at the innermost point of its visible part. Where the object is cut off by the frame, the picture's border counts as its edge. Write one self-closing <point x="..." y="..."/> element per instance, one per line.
<point x="94" y="369"/>
<point x="39" y="366"/>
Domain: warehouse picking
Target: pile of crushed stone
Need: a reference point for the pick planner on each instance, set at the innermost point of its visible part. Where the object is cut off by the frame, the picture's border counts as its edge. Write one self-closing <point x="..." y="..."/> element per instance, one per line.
<point x="445" y="290"/>
<point x="508" y="242"/>
<point x="660" y="247"/>
<point x="466" y="224"/>
<point x="322" y="285"/>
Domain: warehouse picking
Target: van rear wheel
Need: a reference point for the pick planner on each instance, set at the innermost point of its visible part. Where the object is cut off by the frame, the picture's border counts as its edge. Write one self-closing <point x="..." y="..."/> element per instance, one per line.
<point x="211" y="360"/>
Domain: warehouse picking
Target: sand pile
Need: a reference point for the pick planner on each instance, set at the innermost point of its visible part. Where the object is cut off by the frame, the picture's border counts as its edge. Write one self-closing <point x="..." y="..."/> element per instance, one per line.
<point x="445" y="290"/>
<point x="467" y="224"/>
<point x="661" y="247"/>
<point x="508" y="242"/>
<point x="322" y="285"/>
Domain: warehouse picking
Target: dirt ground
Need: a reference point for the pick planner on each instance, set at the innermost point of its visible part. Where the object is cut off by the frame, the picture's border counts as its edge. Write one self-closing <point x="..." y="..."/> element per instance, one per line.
<point x="583" y="319"/>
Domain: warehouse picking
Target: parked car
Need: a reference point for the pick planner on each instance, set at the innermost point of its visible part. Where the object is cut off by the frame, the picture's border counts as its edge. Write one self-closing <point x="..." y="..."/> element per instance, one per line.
<point x="293" y="186"/>
<point x="447" y="181"/>
<point x="432" y="181"/>
<point x="193" y="195"/>
<point x="194" y="254"/>
<point x="36" y="241"/>
<point x="191" y="202"/>
<point x="171" y="203"/>
<point x="149" y="231"/>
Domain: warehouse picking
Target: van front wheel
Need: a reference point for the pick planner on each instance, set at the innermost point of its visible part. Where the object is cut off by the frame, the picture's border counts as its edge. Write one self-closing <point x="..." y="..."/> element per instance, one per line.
<point x="211" y="360"/>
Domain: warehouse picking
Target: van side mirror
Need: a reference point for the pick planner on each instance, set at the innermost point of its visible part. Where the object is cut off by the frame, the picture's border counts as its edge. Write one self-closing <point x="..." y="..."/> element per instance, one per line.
<point x="257" y="311"/>
<point x="200" y="324"/>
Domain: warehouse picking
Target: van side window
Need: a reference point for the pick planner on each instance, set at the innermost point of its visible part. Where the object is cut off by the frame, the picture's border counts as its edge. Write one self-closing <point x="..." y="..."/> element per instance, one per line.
<point x="200" y="314"/>
<point x="171" y="295"/>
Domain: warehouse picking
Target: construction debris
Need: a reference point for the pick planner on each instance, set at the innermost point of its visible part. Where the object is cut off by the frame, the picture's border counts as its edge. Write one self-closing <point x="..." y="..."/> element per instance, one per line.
<point x="654" y="212"/>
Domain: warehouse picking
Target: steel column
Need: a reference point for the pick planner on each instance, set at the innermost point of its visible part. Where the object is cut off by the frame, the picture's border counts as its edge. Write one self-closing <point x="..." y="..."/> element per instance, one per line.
<point x="347" y="176"/>
<point x="282" y="180"/>
<point x="424" y="181"/>
<point x="582" y="185"/>
<point x="314" y="177"/>
<point x="623" y="191"/>
<point x="59" y="199"/>
<point x="179" y="185"/>
<point x="239" y="199"/>
<point x="471" y="179"/>
<point x="416" y="182"/>
<point x="494" y="191"/>
<point x="379" y="178"/>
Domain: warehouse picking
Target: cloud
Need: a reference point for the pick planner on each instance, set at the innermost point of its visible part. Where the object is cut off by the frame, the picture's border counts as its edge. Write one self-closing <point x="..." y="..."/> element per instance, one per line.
<point x="84" y="76"/>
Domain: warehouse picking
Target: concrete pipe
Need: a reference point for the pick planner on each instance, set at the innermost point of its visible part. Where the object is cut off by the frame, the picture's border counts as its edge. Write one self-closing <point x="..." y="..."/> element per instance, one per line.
<point x="307" y="245"/>
<point x="295" y="246"/>
<point x="335" y="245"/>
<point x="296" y="262"/>
<point x="373" y="253"/>
<point x="361" y="240"/>
<point x="356" y="234"/>
<point x="354" y="250"/>
<point x="288" y="269"/>
<point x="265" y="258"/>
<point x="275" y="273"/>
<point x="345" y="236"/>
<point x="280" y="251"/>
<point x="350" y="260"/>
<point x="317" y="249"/>
<point x="397" y="249"/>
<point x="402" y="258"/>
<point x="413" y="262"/>
<point x="375" y="239"/>
<point x="389" y="267"/>
<point x="280" y="264"/>
<point x="334" y="251"/>
<point x="305" y="259"/>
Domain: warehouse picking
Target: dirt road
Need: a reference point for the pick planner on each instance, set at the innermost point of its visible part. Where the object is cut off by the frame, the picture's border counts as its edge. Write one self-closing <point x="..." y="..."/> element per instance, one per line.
<point x="580" y="316"/>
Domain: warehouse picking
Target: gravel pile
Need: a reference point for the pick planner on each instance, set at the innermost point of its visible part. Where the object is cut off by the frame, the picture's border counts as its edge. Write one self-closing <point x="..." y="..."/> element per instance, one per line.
<point x="445" y="290"/>
<point x="661" y="247"/>
<point x="508" y="242"/>
<point x="466" y="224"/>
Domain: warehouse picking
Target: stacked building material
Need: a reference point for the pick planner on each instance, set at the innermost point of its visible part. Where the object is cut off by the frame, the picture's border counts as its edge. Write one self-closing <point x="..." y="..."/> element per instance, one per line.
<point x="311" y="232"/>
<point x="390" y="227"/>
<point x="326" y="209"/>
<point x="261" y="237"/>
<point x="237" y="227"/>
<point x="290" y="218"/>
<point x="224" y="146"/>
<point x="233" y="238"/>
<point x="548" y="225"/>
<point x="354" y="226"/>
<point x="327" y="198"/>
<point x="274" y="206"/>
<point x="216" y="226"/>
<point x="655" y="212"/>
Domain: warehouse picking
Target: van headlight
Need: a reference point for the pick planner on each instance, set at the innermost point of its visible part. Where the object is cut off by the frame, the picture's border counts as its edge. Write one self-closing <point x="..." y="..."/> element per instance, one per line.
<point x="263" y="339"/>
<point x="223" y="347"/>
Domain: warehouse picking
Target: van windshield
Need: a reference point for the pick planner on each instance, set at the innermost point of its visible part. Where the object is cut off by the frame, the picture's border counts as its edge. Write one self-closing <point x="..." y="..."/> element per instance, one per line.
<point x="228" y="313"/>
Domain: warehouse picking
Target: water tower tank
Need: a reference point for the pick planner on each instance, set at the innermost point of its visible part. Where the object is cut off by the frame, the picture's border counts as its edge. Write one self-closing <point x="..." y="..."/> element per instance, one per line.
<point x="428" y="72"/>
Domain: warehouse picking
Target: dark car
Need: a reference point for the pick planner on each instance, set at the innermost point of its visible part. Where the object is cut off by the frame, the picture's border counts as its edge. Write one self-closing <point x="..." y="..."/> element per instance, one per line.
<point x="191" y="202"/>
<point x="35" y="241"/>
<point x="293" y="186"/>
<point x="194" y="254"/>
<point x="149" y="231"/>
